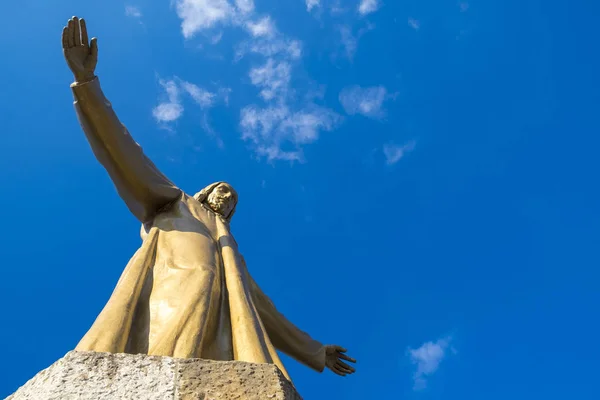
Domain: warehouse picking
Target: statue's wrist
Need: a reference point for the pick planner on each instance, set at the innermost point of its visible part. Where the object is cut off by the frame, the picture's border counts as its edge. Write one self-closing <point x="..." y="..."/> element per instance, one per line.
<point x="79" y="79"/>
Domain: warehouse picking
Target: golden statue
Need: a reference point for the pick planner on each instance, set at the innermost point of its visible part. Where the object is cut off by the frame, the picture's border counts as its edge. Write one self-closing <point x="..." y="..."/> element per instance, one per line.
<point x="186" y="292"/>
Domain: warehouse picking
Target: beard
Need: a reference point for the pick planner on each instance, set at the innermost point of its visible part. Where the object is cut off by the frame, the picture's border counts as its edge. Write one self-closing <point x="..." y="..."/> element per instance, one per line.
<point x="217" y="203"/>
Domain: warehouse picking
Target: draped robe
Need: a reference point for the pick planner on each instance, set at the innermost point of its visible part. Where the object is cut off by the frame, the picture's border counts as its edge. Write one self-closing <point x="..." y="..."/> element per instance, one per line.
<point x="186" y="292"/>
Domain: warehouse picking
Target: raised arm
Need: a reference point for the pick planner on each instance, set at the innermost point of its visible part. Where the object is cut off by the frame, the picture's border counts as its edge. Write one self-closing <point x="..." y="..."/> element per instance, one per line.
<point x="140" y="184"/>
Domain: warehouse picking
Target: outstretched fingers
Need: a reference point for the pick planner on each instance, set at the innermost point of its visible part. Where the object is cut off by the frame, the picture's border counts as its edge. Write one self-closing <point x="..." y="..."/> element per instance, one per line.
<point x="345" y="357"/>
<point x="338" y="371"/>
<point x="65" y="38"/>
<point x="70" y="30"/>
<point x="84" y="35"/>
<point x="344" y="367"/>
<point x="76" y="32"/>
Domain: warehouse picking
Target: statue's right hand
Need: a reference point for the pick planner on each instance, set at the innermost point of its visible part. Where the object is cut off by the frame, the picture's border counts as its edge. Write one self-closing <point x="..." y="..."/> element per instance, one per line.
<point x="81" y="55"/>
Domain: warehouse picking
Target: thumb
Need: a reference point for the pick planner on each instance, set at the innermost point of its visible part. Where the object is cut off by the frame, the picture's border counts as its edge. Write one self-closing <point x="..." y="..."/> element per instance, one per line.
<point x="94" y="47"/>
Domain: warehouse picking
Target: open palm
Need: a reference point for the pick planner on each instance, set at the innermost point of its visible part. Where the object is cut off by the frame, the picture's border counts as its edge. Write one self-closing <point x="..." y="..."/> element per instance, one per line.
<point x="334" y="356"/>
<point x="80" y="54"/>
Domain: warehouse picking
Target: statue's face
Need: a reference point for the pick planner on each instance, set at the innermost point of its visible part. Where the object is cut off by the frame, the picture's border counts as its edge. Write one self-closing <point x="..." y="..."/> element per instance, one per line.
<point x="222" y="199"/>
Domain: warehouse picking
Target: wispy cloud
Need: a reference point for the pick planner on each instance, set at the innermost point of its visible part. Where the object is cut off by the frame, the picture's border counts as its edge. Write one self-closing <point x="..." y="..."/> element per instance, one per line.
<point x="210" y="131"/>
<point x="202" y="97"/>
<point x="170" y="108"/>
<point x="197" y="15"/>
<point x="310" y="4"/>
<point x="413" y="23"/>
<point x="245" y="6"/>
<point x="275" y="127"/>
<point x="273" y="78"/>
<point x="270" y="43"/>
<point x="216" y="38"/>
<point x="262" y="27"/>
<point x="349" y="40"/>
<point x="464" y="6"/>
<point x="394" y="153"/>
<point x="427" y="359"/>
<point x="282" y="124"/>
<point x="133" y="12"/>
<point x="368" y="6"/>
<point x="365" y="101"/>
<point x="279" y="127"/>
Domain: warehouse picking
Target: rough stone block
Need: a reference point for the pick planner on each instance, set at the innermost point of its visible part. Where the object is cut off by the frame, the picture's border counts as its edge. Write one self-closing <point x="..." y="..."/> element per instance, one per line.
<point x="93" y="376"/>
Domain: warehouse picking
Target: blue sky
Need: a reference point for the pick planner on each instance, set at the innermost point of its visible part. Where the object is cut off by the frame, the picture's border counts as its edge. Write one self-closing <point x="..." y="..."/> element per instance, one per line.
<point x="418" y="180"/>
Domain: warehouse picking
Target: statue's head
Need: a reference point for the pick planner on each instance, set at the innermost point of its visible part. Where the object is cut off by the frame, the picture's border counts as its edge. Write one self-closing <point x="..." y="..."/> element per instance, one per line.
<point x="220" y="197"/>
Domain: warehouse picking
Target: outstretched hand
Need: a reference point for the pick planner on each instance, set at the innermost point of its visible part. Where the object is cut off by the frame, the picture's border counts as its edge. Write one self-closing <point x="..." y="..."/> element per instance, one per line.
<point x="334" y="356"/>
<point x="81" y="55"/>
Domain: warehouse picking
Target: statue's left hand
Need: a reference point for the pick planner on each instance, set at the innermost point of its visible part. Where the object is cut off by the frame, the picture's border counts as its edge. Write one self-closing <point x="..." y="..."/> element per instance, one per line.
<point x="333" y="360"/>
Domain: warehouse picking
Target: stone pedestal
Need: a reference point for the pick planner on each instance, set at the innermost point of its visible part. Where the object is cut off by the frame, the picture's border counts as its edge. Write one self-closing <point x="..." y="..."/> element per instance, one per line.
<point x="99" y="376"/>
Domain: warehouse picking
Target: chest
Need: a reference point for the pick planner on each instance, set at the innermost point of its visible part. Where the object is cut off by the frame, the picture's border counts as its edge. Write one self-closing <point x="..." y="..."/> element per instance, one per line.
<point x="189" y="236"/>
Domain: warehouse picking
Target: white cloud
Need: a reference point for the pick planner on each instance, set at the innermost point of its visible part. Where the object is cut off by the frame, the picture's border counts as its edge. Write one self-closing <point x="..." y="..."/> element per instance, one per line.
<point x="245" y="6"/>
<point x="368" y="6"/>
<point x="197" y="15"/>
<point x="274" y="127"/>
<point x="216" y="38"/>
<point x="170" y="109"/>
<point x="349" y="41"/>
<point x="366" y="101"/>
<point x="167" y="112"/>
<point x="310" y="4"/>
<point x="270" y="47"/>
<point x="273" y="77"/>
<point x="202" y="97"/>
<point x="413" y="23"/>
<point x="280" y="127"/>
<point x="223" y="94"/>
<point x="133" y="11"/>
<point x="337" y="8"/>
<point x="304" y="125"/>
<point x="427" y="358"/>
<point x="263" y="27"/>
<point x="393" y="153"/>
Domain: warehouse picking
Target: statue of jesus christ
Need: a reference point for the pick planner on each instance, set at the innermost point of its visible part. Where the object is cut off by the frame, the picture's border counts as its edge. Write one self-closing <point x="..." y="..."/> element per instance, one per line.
<point x="186" y="292"/>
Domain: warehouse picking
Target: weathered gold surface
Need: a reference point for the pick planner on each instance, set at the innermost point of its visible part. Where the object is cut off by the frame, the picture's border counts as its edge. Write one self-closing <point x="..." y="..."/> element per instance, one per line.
<point x="186" y="292"/>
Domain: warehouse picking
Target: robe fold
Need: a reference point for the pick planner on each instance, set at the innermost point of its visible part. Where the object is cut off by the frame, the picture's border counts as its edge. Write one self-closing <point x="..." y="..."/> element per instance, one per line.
<point x="186" y="292"/>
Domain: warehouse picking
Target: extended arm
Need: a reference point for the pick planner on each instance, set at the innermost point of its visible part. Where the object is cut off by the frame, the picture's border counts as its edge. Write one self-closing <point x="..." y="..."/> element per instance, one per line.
<point x="287" y="338"/>
<point x="284" y="335"/>
<point x="140" y="184"/>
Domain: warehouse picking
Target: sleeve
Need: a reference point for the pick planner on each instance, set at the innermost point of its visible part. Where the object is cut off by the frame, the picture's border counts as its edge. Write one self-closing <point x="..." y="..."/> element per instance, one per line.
<point x="285" y="336"/>
<point x="143" y="188"/>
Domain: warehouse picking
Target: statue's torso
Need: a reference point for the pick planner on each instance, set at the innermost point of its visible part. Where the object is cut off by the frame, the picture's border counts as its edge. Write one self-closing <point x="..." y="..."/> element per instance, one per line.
<point x="185" y="283"/>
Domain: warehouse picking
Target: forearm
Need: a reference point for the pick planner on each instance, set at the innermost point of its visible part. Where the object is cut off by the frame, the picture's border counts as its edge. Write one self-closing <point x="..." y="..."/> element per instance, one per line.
<point x="285" y="336"/>
<point x="143" y="188"/>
